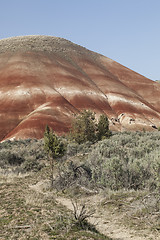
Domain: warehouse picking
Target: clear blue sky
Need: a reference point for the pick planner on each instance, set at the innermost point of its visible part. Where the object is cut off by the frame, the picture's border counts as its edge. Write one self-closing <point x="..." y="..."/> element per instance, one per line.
<point x="128" y="31"/>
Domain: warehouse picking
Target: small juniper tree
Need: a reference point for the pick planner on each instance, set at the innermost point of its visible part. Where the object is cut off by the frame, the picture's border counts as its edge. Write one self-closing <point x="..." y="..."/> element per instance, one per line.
<point x="53" y="147"/>
<point x="84" y="127"/>
<point x="103" y="128"/>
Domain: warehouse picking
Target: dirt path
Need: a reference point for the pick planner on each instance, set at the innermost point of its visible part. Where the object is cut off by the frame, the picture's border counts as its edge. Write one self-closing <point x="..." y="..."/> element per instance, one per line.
<point x="108" y="224"/>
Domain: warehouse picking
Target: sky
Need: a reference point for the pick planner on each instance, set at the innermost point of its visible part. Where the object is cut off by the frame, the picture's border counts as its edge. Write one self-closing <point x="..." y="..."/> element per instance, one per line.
<point x="127" y="31"/>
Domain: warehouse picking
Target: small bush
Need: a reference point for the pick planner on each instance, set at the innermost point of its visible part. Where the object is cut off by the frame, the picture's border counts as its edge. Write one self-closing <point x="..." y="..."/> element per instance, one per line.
<point x="14" y="159"/>
<point x="81" y="215"/>
<point x="74" y="148"/>
<point x="30" y="164"/>
<point x="72" y="174"/>
<point x="9" y="158"/>
<point x="23" y="155"/>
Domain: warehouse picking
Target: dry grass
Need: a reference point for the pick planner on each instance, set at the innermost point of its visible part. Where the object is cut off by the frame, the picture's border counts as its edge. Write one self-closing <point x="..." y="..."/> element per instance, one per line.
<point x="28" y="210"/>
<point x="28" y="206"/>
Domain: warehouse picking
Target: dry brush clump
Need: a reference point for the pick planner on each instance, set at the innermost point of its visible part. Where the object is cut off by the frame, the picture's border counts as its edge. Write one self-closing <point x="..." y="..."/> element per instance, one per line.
<point x="22" y="155"/>
<point x="81" y="215"/>
<point x="126" y="161"/>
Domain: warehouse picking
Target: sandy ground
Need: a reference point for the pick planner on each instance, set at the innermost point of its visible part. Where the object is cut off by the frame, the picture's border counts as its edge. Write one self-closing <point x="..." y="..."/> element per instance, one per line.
<point x="108" y="223"/>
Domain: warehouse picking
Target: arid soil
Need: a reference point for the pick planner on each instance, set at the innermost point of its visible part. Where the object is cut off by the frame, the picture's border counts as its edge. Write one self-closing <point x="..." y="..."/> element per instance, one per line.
<point x="30" y="209"/>
<point x="46" y="80"/>
<point x="109" y="222"/>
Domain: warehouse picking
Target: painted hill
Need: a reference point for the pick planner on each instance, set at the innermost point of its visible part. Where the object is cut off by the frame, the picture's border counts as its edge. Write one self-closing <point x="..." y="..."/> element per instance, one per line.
<point x="46" y="80"/>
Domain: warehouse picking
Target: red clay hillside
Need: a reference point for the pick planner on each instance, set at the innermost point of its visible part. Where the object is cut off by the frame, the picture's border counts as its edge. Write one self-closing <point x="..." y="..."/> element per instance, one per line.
<point x="46" y="80"/>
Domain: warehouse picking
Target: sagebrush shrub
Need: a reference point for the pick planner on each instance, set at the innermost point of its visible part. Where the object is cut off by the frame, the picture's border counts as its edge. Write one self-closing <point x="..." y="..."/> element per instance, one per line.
<point x="25" y="155"/>
<point x="128" y="161"/>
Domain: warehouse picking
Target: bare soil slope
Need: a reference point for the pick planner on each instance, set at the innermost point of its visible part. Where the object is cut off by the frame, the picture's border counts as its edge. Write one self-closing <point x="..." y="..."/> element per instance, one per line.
<point x="46" y="80"/>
